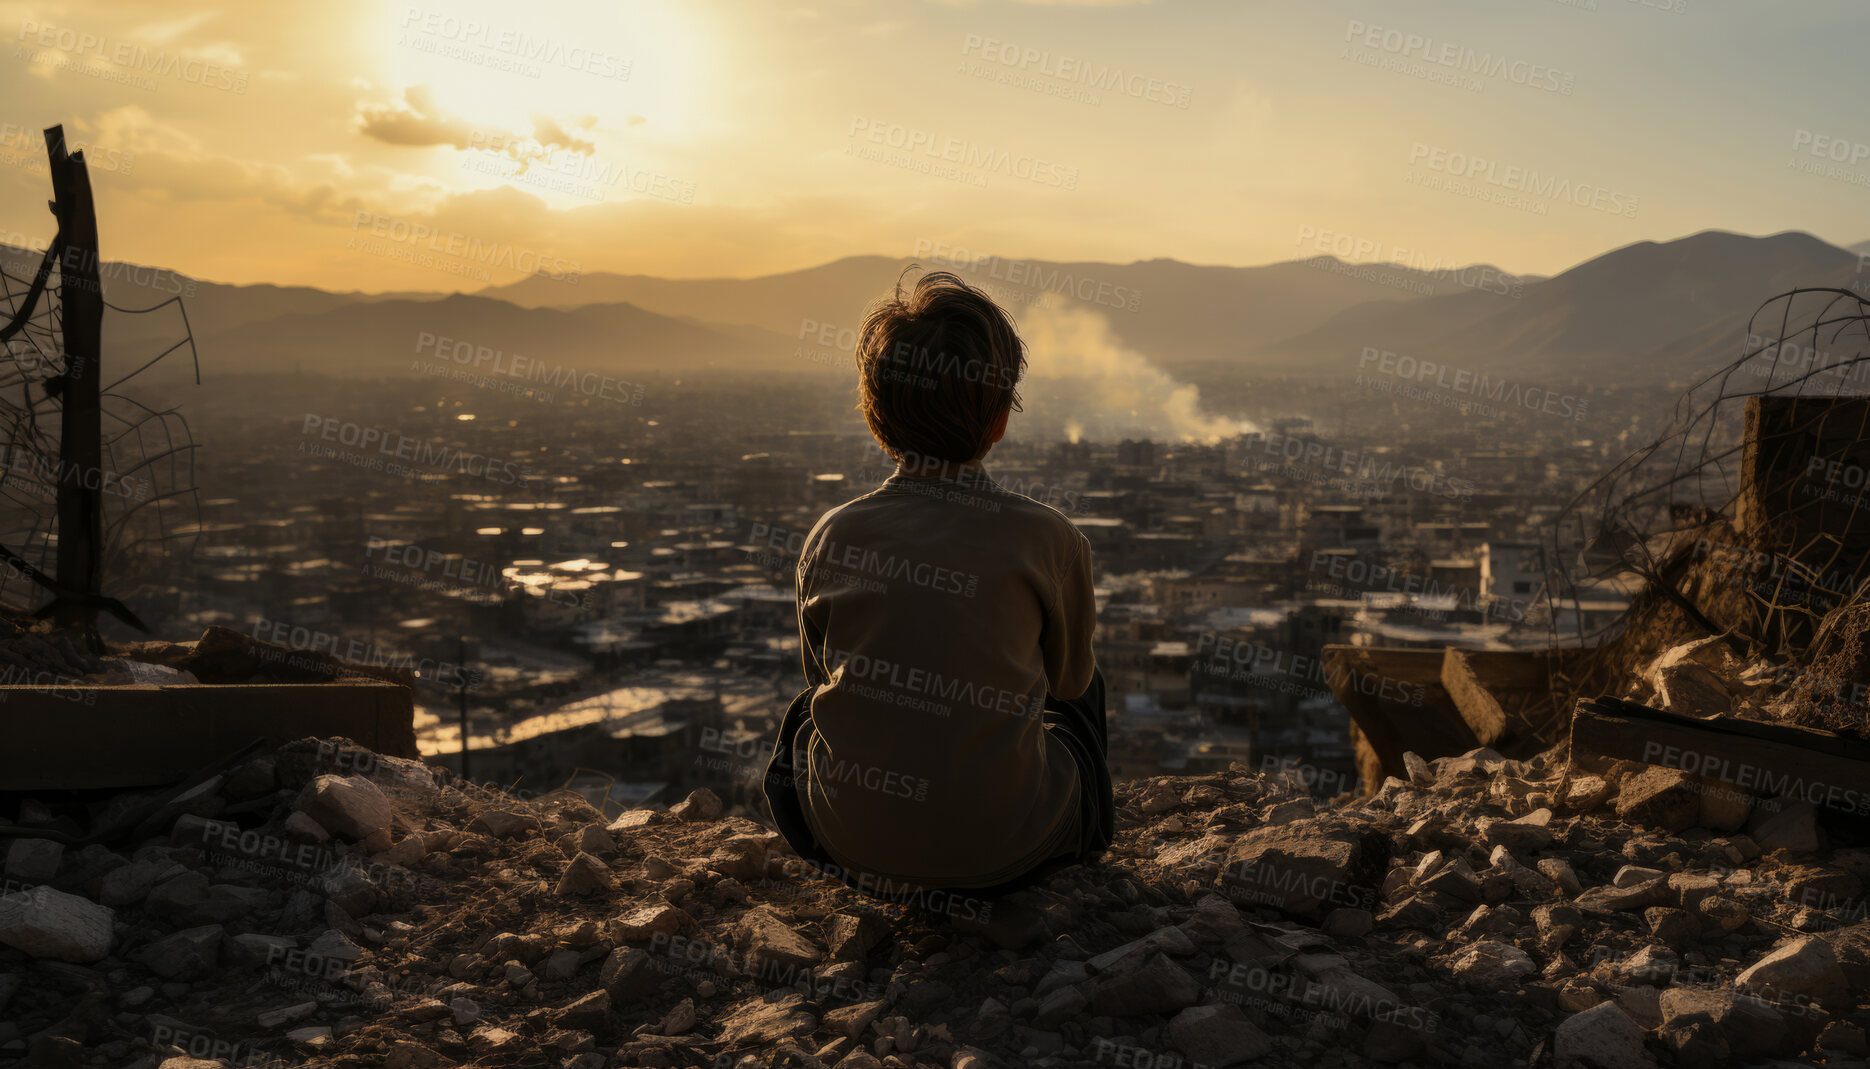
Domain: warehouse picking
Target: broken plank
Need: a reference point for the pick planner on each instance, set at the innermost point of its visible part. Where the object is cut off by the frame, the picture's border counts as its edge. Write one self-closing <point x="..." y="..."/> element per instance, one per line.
<point x="1769" y="760"/>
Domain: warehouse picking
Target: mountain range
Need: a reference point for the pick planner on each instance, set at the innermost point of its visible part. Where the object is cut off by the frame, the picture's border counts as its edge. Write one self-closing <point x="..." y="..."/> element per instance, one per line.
<point x="1647" y="313"/>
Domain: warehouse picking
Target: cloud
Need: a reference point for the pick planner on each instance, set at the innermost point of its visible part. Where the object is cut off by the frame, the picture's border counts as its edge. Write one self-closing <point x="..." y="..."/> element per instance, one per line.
<point x="420" y="120"/>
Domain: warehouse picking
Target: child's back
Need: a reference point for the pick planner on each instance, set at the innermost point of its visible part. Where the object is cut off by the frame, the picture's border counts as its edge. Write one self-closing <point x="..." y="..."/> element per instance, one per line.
<point x="953" y="731"/>
<point x="936" y="614"/>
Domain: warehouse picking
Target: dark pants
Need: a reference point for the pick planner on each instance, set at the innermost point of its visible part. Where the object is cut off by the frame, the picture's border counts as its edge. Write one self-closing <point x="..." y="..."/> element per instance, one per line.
<point x="1078" y="723"/>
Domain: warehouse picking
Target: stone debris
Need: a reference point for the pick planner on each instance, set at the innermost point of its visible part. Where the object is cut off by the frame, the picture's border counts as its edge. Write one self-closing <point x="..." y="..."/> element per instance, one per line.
<point x="323" y="905"/>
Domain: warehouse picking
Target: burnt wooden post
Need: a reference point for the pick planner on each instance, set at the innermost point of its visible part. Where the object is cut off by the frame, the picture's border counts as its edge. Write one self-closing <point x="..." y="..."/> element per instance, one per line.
<point x="80" y="449"/>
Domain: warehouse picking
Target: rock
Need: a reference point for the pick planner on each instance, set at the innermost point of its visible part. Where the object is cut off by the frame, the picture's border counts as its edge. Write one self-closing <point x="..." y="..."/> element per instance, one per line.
<point x="1652" y="965"/>
<point x="849" y="935"/>
<point x="767" y="937"/>
<point x="768" y="1019"/>
<point x="189" y="954"/>
<point x="629" y="973"/>
<point x="304" y="829"/>
<point x="1746" y="1025"/>
<point x="189" y="901"/>
<point x="1653" y="892"/>
<point x="1218" y="1036"/>
<point x="591" y="839"/>
<point x="588" y="1013"/>
<point x="1785" y="824"/>
<point x="1557" y="923"/>
<point x="741" y="857"/>
<point x="1689" y="889"/>
<point x="680" y="1018"/>
<point x="1170" y="940"/>
<point x="1155" y="985"/>
<point x="633" y="819"/>
<point x="701" y="804"/>
<point x="284" y="1015"/>
<point x="1723" y="912"/>
<point x="350" y="806"/>
<point x="253" y="949"/>
<point x="852" y="1020"/>
<point x="1061" y="1005"/>
<point x="585" y="875"/>
<point x="1803" y="966"/>
<point x="1290" y="868"/>
<point x="1492" y="965"/>
<point x="133" y="882"/>
<point x="1723" y="807"/>
<point x="463" y="1011"/>
<point x="1631" y="875"/>
<point x="351" y="890"/>
<point x="1453" y="877"/>
<point x="47" y="923"/>
<point x="407" y="1054"/>
<point x="334" y="946"/>
<point x="1676" y="929"/>
<point x="1843" y="1038"/>
<point x="1348" y="923"/>
<point x="646" y="921"/>
<point x="1663" y="798"/>
<point x="1559" y="871"/>
<point x="1288" y="811"/>
<point x="1602" y="1037"/>
<point x="504" y="823"/>
<point x="33" y="860"/>
<point x="1525" y="835"/>
<point x="1585" y="793"/>
<point x="1420" y="774"/>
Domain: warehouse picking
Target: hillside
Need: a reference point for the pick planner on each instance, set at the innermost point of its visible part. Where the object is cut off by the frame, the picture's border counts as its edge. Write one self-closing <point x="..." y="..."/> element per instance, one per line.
<point x="1644" y="313"/>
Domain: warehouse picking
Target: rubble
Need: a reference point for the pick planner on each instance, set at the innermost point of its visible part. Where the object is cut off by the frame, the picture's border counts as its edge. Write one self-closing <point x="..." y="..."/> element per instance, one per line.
<point x="1486" y="911"/>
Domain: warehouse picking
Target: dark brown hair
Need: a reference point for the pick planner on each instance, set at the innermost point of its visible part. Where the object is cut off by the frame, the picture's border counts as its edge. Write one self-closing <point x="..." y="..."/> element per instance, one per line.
<point x="936" y="369"/>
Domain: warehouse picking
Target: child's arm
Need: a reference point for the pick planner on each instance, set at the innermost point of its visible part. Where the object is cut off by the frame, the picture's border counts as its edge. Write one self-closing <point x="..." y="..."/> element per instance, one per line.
<point x="1070" y="619"/>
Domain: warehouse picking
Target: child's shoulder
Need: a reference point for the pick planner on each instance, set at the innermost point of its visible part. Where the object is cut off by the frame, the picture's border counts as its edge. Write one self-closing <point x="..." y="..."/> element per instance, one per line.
<point x="940" y="503"/>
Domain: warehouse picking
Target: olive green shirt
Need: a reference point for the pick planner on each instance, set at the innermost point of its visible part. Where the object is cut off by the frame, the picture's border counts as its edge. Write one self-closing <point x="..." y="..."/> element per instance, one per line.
<point x="935" y="613"/>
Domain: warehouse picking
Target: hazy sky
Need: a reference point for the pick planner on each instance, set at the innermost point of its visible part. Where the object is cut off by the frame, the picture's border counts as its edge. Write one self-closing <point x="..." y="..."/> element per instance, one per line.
<point x="437" y="146"/>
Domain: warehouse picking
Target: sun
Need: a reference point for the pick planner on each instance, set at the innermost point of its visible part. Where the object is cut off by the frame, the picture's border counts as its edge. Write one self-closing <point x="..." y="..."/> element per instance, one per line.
<point x="497" y="65"/>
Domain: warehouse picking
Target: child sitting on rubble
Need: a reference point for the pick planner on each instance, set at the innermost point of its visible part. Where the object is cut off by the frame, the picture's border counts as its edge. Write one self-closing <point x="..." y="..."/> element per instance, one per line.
<point x="952" y="734"/>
